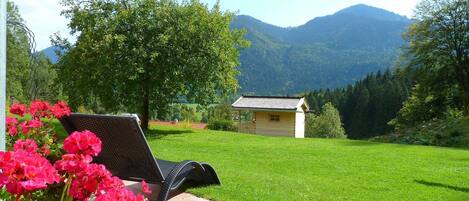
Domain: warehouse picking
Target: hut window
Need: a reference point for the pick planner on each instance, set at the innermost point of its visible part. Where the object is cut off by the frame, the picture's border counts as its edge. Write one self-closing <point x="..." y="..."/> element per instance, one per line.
<point x="274" y="117"/>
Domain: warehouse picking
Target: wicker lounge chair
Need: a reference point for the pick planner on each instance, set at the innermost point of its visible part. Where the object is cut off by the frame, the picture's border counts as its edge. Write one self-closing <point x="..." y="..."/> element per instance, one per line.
<point x="127" y="155"/>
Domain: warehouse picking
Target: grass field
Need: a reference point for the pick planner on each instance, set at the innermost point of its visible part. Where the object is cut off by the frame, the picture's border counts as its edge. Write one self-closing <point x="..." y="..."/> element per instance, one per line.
<point x="274" y="168"/>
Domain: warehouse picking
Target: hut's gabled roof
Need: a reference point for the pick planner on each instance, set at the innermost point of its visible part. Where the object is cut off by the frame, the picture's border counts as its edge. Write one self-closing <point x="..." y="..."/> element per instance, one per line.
<point x="270" y="103"/>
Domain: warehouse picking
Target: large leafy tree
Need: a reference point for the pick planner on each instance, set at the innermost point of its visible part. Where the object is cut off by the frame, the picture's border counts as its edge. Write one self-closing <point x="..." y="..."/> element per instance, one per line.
<point x="439" y="47"/>
<point x="438" y="54"/>
<point x="141" y="55"/>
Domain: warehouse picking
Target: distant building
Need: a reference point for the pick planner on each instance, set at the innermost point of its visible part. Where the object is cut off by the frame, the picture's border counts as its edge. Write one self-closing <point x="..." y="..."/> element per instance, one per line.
<point x="272" y="115"/>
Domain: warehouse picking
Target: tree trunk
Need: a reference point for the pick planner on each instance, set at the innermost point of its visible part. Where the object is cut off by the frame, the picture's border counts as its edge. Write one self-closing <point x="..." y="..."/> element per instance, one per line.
<point x="465" y="101"/>
<point x="462" y="79"/>
<point x="146" y="103"/>
<point x="465" y="94"/>
<point x="145" y="111"/>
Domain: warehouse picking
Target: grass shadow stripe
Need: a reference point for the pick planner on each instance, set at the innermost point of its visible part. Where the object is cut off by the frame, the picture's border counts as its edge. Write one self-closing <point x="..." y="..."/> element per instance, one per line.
<point x="435" y="184"/>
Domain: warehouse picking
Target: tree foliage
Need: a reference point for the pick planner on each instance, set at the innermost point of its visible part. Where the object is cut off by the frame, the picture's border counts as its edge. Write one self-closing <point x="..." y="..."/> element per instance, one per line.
<point x="439" y="47"/>
<point x="439" y="54"/>
<point x="179" y="112"/>
<point x="327" y="124"/>
<point x="29" y="75"/>
<point x="221" y="111"/>
<point x="18" y="56"/>
<point x="41" y="83"/>
<point x="140" y="56"/>
<point x="368" y="105"/>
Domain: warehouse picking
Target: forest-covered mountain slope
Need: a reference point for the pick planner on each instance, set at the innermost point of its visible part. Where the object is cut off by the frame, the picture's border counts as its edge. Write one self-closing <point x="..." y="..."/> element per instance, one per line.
<point x="326" y="52"/>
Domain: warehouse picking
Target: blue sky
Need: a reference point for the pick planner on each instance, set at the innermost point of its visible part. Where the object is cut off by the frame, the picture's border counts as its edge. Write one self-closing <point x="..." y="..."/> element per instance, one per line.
<point x="43" y="16"/>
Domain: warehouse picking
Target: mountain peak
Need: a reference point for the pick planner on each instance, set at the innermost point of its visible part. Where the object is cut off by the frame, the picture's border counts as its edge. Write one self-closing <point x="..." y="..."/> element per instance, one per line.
<point x="363" y="10"/>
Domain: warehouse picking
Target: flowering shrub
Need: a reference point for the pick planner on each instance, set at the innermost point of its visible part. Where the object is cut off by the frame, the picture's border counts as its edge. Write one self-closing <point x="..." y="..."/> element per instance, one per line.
<point x="35" y="167"/>
<point x="24" y="170"/>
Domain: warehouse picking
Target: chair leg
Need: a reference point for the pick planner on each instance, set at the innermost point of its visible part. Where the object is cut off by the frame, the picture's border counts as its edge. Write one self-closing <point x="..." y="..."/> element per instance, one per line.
<point x="166" y="186"/>
<point x="164" y="193"/>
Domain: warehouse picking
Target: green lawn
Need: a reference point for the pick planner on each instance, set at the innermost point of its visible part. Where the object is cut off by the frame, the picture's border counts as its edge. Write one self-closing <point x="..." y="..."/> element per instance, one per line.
<point x="276" y="168"/>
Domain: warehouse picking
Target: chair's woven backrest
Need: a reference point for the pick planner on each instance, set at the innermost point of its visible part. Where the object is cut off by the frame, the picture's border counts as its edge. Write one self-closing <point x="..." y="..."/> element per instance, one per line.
<point x="125" y="151"/>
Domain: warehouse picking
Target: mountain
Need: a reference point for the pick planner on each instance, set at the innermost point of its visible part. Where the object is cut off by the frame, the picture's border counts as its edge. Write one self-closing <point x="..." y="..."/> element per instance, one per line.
<point x="362" y="10"/>
<point x="50" y="53"/>
<point x="326" y="52"/>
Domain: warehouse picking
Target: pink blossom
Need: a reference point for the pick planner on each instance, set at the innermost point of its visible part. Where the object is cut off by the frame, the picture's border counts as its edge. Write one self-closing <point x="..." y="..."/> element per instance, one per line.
<point x="87" y="181"/>
<point x="22" y="171"/>
<point x="111" y="183"/>
<point x="84" y="142"/>
<point x="73" y="163"/>
<point x="12" y="130"/>
<point x="24" y="127"/>
<point x="18" y="109"/>
<point x="39" y="109"/>
<point x="119" y="195"/>
<point x="34" y="123"/>
<point x="27" y="145"/>
<point x="45" y="150"/>
<point x="11" y="121"/>
<point x="145" y="188"/>
<point x="11" y="124"/>
<point x="27" y="125"/>
<point x="113" y="189"/>
<point x="60" y="109"/>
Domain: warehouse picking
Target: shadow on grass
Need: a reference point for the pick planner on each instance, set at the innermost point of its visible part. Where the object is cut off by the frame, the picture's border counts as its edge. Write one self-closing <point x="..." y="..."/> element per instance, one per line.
<point x="358" y="143"/>
<point x="189" y="184"/>
<point x="160" y="133"/>
<point x="434" y="184"/>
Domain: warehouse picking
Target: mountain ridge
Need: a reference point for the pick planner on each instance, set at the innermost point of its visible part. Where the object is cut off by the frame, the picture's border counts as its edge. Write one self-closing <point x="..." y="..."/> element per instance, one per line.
<point x="364" y="10"/>
<point x="326" y="52"/>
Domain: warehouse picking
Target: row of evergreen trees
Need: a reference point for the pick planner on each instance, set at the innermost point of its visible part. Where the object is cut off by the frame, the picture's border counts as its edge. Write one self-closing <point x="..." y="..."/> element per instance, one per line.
<point x="367" y="106"/>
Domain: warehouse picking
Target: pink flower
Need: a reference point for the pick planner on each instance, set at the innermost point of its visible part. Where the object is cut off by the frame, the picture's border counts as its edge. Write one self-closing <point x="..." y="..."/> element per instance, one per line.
<point x="87" y="181"/>
<point x="113" y="189"/>
<point x="39" y="109"/>
<point x="45" y="150"/>
<point x="111" y="183"/>
<point x="11" y="121"/>
<point x="27" y="145"/>
<point x="84" y="142"/>
<point x="34" y="123"/>
<point x="145" y="188"/>
<point x="27" y="125"/>
<point x="122" y="194"/>
<point x="96" y="179"/>
<point x="11" y="124"/>
<point x="18" y="109"/>
<point x="12" y="130"/>
<point x="22" y="172"/>
<point x="60" y="109"/>
<point x="24" y="127"/>
<point x="73" y="163"/>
